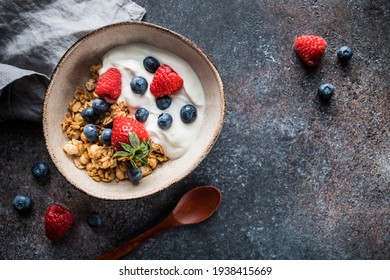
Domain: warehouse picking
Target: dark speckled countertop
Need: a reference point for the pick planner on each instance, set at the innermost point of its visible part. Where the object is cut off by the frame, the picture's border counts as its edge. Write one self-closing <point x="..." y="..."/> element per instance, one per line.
<point x="300" y="179"/>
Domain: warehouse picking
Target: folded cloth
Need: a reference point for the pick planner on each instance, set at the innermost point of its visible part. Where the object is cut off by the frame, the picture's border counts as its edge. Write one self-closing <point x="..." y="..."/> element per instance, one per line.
<point x="35" y="34"/>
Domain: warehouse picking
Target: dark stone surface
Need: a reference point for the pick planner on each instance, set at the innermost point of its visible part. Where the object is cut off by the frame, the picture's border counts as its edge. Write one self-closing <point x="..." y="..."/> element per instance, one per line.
<point x="300" y="179"/>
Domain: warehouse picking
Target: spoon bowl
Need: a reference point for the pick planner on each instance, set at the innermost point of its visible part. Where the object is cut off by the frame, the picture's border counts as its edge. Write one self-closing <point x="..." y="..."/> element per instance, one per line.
<point x="195" y="206"/>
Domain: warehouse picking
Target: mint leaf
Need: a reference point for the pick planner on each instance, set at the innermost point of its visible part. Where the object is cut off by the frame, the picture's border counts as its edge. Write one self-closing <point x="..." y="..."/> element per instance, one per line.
<point x="134" y="140"/>
<point x="136" y="152"/>
<point x="127" y="148"/>
<point x="121" y="154"/>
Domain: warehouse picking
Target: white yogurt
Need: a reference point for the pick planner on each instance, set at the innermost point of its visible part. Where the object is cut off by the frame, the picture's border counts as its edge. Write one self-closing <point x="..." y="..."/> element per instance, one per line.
<point x="128" y="59"/>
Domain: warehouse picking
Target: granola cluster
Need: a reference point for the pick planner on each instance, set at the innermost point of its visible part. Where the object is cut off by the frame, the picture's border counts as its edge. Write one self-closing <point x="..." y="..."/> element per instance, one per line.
<point x="97" y="158"/>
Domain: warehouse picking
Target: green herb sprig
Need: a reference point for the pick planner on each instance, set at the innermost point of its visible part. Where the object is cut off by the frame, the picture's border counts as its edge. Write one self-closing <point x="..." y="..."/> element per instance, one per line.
<point x="136" y="151"/>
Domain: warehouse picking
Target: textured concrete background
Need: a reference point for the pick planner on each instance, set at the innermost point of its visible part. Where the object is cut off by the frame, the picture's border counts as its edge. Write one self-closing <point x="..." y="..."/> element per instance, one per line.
<point x="300" y="179"/>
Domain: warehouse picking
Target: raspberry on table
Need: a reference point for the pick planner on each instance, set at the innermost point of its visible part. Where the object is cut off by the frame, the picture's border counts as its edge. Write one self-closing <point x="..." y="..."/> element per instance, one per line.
<point x="310" y="49"/>
<point x="58" y="221"/>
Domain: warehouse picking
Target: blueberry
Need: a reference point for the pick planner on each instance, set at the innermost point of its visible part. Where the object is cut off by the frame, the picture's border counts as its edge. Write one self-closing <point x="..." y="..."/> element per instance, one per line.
<point x="163" y="102"/>
<point x="40" y="171"/>
<point x="95" y="220"/>
<point x="22" y="203"/>
<point x="91" y="133"/>
<point x="325" y="91"/>
<point x="99" y="106"/>
<point x="344" y="54"/>
<point x="151" y="64"/>
<point x="106" y="136"/>
<point x="142" y="114"/>
<point x="188" y="113"/>
<point x="89" y="115"/>
<point x="134" y="174"/>
<point x="164" y="121"/>
<point x="139" y="85"/>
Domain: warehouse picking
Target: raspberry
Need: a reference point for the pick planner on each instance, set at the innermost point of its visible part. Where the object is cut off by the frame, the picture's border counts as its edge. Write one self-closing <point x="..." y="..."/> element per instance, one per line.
<point x="58" y="221"/>
<point x="310" y="49"/>
<point x="109" y="85"/>
<point x="165" y="81"/>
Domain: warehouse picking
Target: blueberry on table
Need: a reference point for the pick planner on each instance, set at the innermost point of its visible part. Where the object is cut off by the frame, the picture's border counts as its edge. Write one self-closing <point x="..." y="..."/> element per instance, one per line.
<point x="22" y="203"/>
<point x="139" y="85"/>
<point x="151" y="64"/>
<point x="344" y="54"/>
<point x="89" y="115"/>
<point x="188" y="113"/>
<point x="95" y="220"/>
<point x="99" y="106"/>
<point x="134" y="174"/>
<point x="91" y="133"/>
<point x="164" y="121"/>
<point x="106" y="136"/>
<point x="325" y="91"/>
<point x="40" y="171"/>
<point x="163" y="102"/>
<point x="142" y="114"/>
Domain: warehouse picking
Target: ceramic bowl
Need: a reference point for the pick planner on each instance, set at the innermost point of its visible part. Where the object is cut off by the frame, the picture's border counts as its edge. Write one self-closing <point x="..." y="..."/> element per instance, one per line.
<point x="72" y="71"/>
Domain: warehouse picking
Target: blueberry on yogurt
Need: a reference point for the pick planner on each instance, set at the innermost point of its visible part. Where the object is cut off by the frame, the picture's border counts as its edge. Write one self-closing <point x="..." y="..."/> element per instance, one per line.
<point x="164" y="121"/>
<point x="188" y="113"/>
<point x="151" y="64"/>
<point x="163" y="102"/>
<point x="139" y="85"/>
<point x="141" y="114"/>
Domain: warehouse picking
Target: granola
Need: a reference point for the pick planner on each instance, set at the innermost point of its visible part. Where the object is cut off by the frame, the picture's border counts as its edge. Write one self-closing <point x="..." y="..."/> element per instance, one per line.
<point x="98" y="159"/>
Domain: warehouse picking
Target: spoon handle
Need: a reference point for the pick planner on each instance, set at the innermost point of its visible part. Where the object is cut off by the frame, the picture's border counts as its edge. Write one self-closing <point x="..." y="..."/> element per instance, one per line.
<point x="130" y="245"/>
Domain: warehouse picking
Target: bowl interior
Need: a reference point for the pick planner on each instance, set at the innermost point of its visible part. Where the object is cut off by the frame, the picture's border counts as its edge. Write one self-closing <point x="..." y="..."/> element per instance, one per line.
<point x="73" y="71"/>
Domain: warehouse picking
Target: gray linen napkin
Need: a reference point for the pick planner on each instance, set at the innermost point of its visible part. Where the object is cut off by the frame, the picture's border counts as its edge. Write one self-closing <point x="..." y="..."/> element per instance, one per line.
<point x="33" y="37"/>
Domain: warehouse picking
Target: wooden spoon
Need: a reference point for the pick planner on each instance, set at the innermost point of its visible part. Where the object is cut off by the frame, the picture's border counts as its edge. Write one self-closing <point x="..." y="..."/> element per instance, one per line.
<point x="195" y="206"/>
